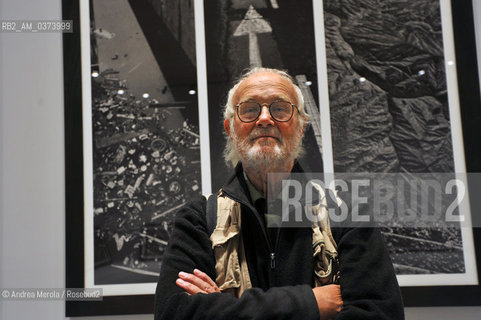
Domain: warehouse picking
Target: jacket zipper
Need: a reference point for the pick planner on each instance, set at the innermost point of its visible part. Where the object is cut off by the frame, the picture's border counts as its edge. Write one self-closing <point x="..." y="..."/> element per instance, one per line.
<point x="273" y="254"/>
<point x="273" y="260"/>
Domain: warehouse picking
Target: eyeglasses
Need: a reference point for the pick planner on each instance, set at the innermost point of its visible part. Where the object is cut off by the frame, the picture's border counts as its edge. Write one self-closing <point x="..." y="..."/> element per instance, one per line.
<point x="281" y="111"/>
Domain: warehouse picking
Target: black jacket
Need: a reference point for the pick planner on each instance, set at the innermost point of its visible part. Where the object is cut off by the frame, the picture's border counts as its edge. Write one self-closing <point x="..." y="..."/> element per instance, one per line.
<point x="281" y="282"/>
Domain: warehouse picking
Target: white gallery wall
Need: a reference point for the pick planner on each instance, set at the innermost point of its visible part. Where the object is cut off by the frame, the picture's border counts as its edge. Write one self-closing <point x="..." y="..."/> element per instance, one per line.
<point x="32" y="167"/>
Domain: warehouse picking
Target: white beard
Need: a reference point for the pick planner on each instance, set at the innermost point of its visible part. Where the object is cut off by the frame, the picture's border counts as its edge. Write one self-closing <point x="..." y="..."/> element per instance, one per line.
<point x="260" y="154"/>
<point x="256" y="156"/>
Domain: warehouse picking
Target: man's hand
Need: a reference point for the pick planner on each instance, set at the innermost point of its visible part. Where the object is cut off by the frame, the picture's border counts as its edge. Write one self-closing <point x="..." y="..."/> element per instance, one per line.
<point x="329" y="300"/>
<point x="199" y="282"/>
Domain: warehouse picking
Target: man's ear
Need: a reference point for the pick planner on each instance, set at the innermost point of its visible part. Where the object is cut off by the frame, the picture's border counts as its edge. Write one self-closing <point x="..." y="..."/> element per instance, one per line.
<point x="303" y="129"/>
<point x="227" y="127"/>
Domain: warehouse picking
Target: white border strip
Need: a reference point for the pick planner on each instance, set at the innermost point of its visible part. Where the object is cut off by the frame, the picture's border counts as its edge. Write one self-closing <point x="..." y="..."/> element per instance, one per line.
<point x="202" y="97"/>
<point x="438" y="279"/>
<point x="477" y="32"/>
<point x="323" y="88"/>
<point x="87" y="144"/>
<point x="457" y="138"/>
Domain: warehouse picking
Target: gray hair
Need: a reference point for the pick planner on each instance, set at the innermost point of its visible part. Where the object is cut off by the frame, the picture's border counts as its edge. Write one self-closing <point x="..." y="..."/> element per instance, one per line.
<point x="231" y="155"/>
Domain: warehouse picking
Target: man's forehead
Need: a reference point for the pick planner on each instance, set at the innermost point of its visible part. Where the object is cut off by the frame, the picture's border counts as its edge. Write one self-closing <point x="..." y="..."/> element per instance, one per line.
<point x="266" y="79"/>
<point x="267" y="83"/>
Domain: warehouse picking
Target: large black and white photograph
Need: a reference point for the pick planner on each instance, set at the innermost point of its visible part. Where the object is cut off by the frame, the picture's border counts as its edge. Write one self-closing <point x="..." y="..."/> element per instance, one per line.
<point x="380" y="87"/>
<point x="145" y="147"/>
<point x="275" y="34"/>
<point x="389" y="112"/>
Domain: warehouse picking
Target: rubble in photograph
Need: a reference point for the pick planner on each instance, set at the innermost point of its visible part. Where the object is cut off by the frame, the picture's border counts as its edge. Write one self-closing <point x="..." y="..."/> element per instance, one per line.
<point x="145" y="167"/>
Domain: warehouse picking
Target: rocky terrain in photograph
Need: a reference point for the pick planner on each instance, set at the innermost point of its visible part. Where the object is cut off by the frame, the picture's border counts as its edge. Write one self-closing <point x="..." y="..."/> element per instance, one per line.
<point x="387" y="86"/>
<point x="389" y="110"/>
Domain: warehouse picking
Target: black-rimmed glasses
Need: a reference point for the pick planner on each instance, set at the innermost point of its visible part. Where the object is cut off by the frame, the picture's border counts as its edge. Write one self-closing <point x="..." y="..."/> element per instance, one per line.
<point x="249" y="111"/>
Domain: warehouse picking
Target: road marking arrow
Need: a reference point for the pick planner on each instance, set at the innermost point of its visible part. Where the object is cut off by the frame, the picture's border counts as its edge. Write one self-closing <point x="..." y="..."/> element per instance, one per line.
<point x="253" y="24"/>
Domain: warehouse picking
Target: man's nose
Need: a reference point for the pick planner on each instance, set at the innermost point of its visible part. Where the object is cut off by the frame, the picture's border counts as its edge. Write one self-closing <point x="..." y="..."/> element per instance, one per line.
<point x="265" y="118"/>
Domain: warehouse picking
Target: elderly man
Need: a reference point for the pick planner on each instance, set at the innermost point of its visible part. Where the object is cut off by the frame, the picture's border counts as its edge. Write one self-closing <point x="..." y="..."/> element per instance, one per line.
<point x="242" y="268"/>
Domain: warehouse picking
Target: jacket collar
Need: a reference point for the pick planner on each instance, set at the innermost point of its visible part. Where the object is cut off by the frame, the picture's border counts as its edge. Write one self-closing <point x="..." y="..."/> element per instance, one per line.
<point x="236" y="186"/>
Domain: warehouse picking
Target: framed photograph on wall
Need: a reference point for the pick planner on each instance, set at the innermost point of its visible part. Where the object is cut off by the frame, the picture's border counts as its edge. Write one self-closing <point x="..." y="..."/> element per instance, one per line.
<point x="145" y="84"/>
<point x="392" y="102"/>
<point x="138" y="148"/>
